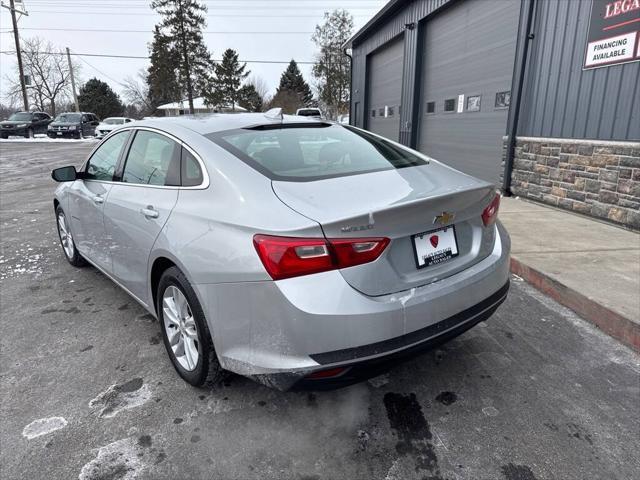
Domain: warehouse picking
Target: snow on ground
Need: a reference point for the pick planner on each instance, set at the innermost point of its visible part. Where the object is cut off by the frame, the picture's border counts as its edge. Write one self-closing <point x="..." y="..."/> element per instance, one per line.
<point x="41" y="138"/>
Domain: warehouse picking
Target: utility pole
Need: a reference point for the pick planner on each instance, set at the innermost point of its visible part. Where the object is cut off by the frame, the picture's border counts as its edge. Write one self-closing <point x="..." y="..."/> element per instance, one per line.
<point x="73" y="81"/>
<point x="16" y="37"/>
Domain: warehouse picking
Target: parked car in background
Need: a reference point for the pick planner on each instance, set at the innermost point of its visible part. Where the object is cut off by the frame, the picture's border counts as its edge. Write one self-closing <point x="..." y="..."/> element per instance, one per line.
<point x="309" y="112"/>
<point x="109" y="124"/>
<point x="297" y="252"/>
<point x="25" y="124"/>
<point x="74" y="125"/>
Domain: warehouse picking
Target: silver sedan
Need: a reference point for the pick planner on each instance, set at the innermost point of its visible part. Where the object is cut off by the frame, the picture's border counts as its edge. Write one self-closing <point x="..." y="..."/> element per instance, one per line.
<point x="297" y="252"/>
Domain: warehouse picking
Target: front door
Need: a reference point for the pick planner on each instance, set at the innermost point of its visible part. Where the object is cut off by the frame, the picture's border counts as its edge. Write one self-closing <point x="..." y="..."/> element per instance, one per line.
<point x="138" y="207"/>
<point x="87" y="197"/>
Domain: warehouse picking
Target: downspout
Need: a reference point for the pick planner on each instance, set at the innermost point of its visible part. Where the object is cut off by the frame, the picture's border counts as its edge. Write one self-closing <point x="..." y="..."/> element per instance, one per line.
<point x="345" y="50"/>
<point x="513" y="130"/>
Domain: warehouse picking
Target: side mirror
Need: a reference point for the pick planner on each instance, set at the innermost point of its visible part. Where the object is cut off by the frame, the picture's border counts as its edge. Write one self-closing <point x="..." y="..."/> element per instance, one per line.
<point x="65" y="174"/>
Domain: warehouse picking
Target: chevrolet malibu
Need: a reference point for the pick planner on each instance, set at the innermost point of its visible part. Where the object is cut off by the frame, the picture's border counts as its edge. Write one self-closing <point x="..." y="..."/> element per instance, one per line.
<point x="297" y="252"/>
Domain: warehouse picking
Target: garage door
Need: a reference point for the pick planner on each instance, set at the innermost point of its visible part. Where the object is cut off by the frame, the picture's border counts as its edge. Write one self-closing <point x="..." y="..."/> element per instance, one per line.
<point x="467" y="65"/>
<point x="384" y="72"/>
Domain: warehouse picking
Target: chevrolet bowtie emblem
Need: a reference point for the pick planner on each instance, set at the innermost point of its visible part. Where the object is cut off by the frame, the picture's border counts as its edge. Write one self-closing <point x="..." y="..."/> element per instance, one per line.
<point x="444" y="218"/>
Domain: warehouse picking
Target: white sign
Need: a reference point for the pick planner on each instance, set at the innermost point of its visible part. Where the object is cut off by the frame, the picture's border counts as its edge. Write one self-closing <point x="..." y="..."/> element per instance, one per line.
<point x="611" y="50"/>
<point x="460" y="103"/>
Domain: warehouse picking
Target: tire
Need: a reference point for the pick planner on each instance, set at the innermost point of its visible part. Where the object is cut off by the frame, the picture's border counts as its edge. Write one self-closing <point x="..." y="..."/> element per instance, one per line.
<point x="28" y="133"/>
<point x="207" y="369"/>
<point x="4" y="136"/>
<point x="69" y="249"/>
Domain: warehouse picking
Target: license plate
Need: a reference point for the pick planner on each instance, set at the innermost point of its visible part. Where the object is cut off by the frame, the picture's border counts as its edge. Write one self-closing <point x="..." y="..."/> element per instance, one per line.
<point x="435" y="247"/>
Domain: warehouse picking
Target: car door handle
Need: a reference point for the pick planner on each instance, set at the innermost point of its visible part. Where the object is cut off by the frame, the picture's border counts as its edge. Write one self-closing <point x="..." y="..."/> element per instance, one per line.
<point x="149" y="212"/>
<point x="98" y="199"/>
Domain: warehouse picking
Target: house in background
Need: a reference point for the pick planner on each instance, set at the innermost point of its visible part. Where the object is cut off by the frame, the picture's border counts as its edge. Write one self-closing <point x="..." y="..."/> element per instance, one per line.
<point x="175" y="109"/>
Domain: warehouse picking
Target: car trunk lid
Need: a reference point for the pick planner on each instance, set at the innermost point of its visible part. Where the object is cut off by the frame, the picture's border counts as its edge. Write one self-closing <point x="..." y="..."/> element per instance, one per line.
<point x="399" y="204"/>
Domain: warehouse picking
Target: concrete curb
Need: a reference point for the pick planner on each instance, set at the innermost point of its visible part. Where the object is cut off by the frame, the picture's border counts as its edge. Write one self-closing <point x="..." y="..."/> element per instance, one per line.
<point x="612" y="323"/>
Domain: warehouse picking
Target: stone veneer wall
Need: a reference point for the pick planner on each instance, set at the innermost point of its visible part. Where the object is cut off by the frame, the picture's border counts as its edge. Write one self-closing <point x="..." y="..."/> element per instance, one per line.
<point x="597" y="178"/>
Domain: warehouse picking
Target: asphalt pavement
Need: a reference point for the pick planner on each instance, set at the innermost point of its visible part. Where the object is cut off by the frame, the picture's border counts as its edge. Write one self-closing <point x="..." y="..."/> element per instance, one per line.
<point x="87" y="391"/>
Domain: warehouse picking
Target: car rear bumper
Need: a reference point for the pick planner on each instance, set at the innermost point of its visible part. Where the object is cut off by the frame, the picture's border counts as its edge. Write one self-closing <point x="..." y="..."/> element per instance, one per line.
<point x="280" y="332"/>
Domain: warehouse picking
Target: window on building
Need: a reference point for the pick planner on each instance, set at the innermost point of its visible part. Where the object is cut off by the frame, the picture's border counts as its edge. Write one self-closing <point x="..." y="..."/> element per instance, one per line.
<point x="373" y="113"/>
<point x="390" y="111"/>
<point x="473" y="103"/>
<point x="381" y="112"/>
<point x="503" y="99"/>
<point x="431" y="107"/>
<point x="450" y="105"/>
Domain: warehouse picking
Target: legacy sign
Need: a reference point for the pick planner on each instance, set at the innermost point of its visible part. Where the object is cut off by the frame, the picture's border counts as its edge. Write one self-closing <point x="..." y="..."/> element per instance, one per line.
<point x="614" y="33"/>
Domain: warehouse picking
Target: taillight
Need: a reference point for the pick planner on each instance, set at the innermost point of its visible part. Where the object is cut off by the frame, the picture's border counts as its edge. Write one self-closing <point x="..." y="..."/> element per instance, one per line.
<point x="286" y="257"/>
<point x="490" y="214"/>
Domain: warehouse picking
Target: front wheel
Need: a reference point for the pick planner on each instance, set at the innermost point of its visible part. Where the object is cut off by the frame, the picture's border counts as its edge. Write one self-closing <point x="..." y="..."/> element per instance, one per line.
<point x="184" y="330"/>
<point x="66" y="240"/>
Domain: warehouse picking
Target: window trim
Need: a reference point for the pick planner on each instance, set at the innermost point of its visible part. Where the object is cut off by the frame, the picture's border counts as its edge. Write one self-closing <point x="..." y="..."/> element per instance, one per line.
<point x="426" y="109"/>
<point x="466" y="103"/>
<point x="444" y="105"/>
<point x="125" y="152"/>
<point x="505" y="107"/>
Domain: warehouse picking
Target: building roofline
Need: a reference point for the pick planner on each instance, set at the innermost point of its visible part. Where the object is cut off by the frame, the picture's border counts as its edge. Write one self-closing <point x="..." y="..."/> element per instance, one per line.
<point x="382" y="15"/>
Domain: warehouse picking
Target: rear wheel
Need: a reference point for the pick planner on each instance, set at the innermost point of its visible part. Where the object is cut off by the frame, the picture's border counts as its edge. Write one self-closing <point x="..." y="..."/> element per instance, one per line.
<point x="66" y="240"/>
<point x="184" y="330"/>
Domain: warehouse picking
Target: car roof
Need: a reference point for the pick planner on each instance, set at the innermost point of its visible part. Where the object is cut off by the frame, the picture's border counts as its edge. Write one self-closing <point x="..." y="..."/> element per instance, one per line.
<point x="218" y="122"/>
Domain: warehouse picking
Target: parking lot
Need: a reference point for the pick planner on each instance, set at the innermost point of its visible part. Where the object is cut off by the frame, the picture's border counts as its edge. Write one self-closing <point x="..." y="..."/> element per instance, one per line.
<point x="534" y="393"/>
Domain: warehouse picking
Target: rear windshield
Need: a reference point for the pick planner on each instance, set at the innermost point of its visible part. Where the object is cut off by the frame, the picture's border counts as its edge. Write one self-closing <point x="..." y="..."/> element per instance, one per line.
<point x="311" y="153"/>
<point x="114" y="121"/>
<point x="68" y="117"/>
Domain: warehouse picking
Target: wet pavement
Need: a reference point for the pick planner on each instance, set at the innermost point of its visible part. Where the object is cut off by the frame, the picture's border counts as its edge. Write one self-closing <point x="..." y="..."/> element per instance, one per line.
<point x="87" y="391"/>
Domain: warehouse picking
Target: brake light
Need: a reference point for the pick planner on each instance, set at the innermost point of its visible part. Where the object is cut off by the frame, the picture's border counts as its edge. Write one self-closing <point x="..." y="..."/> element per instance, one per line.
<point x="286" y="257"/>
<point x="490" y="214"/>
<point x="333" y="372"/>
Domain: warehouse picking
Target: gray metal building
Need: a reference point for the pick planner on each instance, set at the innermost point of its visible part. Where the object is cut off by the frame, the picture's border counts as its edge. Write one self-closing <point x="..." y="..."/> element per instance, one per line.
<point x="468" y="81"/>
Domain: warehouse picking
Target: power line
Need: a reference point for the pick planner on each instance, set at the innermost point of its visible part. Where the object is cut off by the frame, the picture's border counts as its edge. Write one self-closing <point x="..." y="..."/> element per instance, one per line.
<point x="135" y="57"/>
<point x="100" y="71"/>
<point x="151" y="31"/>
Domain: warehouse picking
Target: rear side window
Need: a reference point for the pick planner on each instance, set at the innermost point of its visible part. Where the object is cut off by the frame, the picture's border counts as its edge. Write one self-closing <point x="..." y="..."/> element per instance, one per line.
<point x="297" y="153"/>
<point x="102" y="164"/>
<point x="191" y="172"/>
<point x="153" y="159"/>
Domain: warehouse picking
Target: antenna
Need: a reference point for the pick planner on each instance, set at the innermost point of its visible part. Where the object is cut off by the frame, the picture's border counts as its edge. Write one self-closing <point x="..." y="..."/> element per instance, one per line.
<point x="274" y="114"/>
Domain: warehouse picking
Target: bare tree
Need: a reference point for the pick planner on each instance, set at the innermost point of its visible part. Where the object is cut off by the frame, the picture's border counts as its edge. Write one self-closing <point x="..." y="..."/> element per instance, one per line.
<point x="48" y="72"/>
<point x="136" y="92"/>
<point x="261" y="87"/>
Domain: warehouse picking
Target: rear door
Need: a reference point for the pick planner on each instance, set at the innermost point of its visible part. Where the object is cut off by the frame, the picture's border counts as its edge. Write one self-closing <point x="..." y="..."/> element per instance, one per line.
<point x="139" y="205"/>
<point x="87" y="197"/>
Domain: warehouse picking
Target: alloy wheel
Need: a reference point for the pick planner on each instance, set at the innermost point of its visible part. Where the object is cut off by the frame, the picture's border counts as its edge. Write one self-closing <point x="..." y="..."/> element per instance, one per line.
<point x="180" y="327"/>
<point x="65" y="236"/>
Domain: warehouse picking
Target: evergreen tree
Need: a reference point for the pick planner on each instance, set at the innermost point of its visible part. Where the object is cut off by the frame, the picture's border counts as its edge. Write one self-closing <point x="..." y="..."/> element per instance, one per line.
<point x="333" y="70"/>
<point x="292" y="80"/>
<point x="162" y="74"/>
<point x="229" y="74"/>
<point x="249" y="98"/>
<point x="97" y="97"/>
<point x="184" y="20"/>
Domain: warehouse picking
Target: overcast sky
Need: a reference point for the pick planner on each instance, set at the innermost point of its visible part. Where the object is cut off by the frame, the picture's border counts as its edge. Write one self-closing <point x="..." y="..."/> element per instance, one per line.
<point x="287" y="26"/>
